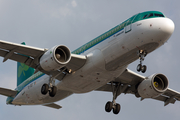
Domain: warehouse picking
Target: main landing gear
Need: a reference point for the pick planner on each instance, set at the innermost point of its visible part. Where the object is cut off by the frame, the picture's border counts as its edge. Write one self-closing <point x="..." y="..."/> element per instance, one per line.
<point x="113" y="105"/>
<point x="52" y="90"/>
<point x="49" y="88"/>
<point x="142" y="54"/>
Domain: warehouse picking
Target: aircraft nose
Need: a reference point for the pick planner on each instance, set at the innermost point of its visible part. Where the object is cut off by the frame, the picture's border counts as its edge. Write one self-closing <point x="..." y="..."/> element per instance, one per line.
<point x="168" y="27"/>
<point x="165" y="28"/>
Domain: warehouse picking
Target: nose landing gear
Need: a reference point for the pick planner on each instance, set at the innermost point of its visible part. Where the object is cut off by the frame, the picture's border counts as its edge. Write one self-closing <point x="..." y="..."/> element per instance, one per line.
<point x="142" y="54"/>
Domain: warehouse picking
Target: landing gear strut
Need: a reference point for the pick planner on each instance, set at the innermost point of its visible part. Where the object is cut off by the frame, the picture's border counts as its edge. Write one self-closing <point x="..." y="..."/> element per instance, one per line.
<point x="142" y="54"/>
<point x="51" y="88"/>
<point x="113" y="105"/>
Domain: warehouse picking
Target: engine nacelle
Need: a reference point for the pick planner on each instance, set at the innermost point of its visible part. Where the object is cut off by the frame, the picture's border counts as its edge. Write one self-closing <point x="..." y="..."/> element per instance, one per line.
<point x="153" y="86"/>
<point x="55" y="58"/>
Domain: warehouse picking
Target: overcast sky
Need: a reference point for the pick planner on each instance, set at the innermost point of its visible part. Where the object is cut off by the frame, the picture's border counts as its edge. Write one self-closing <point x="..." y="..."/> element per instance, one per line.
<point x="45" y="23"/>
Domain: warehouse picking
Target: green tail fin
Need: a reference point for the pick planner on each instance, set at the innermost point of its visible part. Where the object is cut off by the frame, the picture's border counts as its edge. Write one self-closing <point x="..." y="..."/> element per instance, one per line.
<point x="23" y="71"/>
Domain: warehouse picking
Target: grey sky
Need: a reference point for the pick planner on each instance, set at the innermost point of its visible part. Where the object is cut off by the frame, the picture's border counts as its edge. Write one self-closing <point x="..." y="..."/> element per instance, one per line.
<point x="45" y="23"/>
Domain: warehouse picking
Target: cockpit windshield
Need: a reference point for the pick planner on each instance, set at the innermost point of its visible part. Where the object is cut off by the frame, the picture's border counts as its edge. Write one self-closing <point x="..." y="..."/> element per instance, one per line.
<point x="150" y="15"/>
<point x="159" y="15"/>
<point x="143" y="16"/>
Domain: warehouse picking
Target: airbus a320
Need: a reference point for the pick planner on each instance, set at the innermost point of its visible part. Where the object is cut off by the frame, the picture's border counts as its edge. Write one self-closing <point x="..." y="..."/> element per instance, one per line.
<point x="45" y="76"/>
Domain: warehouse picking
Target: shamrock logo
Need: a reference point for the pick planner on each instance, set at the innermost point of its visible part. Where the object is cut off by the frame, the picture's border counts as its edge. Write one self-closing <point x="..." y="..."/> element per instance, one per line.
<point x="22" y="69"/>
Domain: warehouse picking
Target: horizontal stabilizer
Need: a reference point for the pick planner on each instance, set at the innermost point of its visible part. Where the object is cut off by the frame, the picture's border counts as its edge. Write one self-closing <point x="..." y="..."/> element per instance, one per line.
<point x="8" y="92"/>
<point x="53" y="105"/>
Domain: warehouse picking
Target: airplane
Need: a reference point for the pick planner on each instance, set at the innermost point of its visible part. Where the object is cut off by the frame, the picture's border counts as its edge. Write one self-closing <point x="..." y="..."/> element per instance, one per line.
<point x="45" y="76"/>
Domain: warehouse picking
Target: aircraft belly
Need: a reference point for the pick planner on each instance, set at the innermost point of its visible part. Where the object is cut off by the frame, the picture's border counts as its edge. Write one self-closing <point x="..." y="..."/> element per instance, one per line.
<point x="88" y="81"/>
<point x="92" y="76"/>
<point x="114" y="55"/>
<point x="31" y="94"/>
<point x="61" y="94"/>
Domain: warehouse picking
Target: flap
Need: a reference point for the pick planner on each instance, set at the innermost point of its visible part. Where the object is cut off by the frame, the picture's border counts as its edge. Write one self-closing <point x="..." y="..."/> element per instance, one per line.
<point x="172" y="93"/>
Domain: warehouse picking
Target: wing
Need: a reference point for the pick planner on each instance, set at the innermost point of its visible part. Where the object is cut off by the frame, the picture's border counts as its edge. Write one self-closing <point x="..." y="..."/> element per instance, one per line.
<point x="31" y="55"/>
<point x="21" y="53"/>
<point x="8" y="92"/>
<point x="131" y="80"/>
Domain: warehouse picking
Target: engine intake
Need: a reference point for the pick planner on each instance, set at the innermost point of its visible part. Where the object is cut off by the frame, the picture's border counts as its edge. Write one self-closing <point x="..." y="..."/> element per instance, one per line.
<point x="153" y="86"/>
<point x="55" y="58"/>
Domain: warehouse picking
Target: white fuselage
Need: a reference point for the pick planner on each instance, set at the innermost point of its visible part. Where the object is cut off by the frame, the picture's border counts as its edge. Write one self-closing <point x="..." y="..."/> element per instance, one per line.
<point x="105" y="61"/>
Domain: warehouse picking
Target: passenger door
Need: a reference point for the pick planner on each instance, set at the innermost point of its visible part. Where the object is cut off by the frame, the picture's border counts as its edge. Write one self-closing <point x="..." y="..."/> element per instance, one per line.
<point x="128" y="26"/>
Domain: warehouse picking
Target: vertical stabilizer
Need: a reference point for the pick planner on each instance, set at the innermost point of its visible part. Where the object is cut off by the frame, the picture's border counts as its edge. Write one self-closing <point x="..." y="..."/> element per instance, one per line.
<point x="23" y="71"/>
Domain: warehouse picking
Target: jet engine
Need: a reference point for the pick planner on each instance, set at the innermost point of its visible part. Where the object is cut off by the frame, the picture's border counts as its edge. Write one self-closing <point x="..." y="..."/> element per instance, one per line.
<point x="153" y="86"/>
<point x="55" y="58"/>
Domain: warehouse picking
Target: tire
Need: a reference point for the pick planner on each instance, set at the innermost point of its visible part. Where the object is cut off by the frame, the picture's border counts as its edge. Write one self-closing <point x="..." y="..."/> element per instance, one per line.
<point x="116" y="109"/>
<point x="139" y="67"/>
<point x="143" y="69"/>
<point x="108" y="106"/>
<point x="53" y="91"/>
<point x="44" y="89"/>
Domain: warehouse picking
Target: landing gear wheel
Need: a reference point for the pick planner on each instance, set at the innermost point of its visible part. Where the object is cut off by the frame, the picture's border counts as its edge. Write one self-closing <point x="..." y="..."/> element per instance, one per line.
<point x="53" y="91"/>
<point x="44" y="89"/>
<point x="108" y="106"/>
<point x="139" y="67"/>
<point x="116" y="108"/>
<point x="144" y="53"/>
<point x="143" y="69"/>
